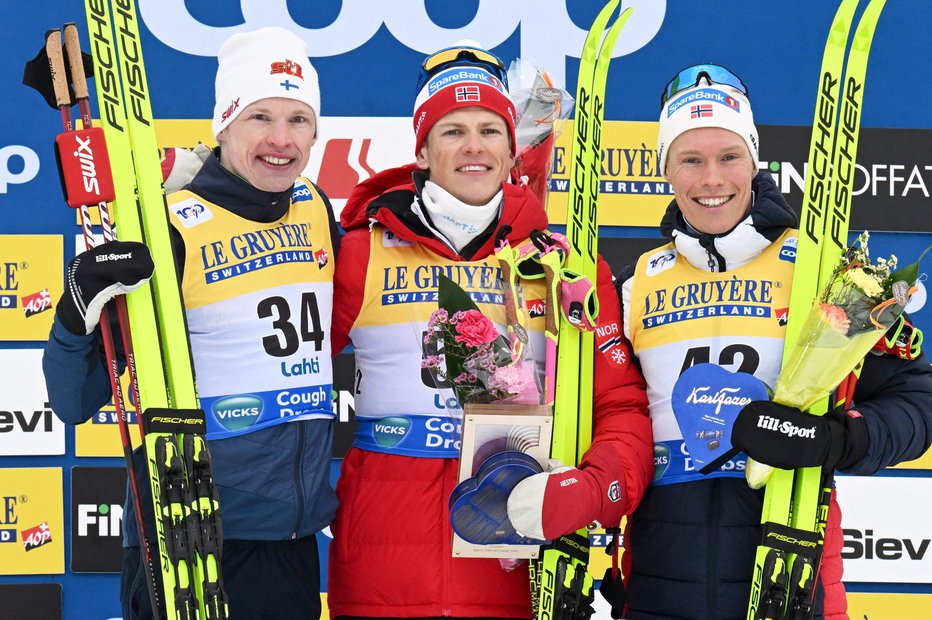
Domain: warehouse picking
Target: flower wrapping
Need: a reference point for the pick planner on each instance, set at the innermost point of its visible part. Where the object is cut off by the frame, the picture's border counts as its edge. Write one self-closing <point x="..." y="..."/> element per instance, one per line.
<point x="862" y="300"/>
<point x="540" y="104"/>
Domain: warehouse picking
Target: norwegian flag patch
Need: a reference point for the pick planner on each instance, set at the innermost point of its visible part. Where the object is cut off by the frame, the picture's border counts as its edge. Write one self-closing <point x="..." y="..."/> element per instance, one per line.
<point x="703" y="110"/>
<point x="611" y="344"/>
<point x="467" y="93"/>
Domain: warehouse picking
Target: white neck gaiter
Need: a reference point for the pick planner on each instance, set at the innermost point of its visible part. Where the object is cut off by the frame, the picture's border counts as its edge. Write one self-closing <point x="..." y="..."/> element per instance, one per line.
<point x="457" y="222"/>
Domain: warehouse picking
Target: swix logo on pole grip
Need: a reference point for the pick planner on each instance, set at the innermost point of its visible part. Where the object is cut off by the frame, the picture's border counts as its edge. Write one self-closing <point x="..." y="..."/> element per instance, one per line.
<point x="85" y="167"/>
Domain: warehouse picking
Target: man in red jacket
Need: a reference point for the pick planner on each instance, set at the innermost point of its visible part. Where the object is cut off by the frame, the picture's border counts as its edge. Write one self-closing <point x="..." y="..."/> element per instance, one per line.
<point x="391" y="554"/>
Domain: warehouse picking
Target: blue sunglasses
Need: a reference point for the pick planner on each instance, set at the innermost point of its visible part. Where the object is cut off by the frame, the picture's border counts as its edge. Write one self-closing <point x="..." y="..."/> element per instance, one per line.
<point x="689" y="77"/>
<point x="458" y="56"/>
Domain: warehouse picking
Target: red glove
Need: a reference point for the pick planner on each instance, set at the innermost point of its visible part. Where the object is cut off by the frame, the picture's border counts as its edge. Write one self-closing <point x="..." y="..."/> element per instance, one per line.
<point x="545" y="506"/>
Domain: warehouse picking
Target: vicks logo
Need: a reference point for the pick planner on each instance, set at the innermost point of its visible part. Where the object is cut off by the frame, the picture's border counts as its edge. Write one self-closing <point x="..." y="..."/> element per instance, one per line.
<point x="238" y="412"/>
<point x="391" y="431"/>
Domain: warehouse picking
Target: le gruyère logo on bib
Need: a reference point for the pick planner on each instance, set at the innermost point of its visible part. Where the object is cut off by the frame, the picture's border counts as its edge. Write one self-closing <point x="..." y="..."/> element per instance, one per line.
<point x="732" y="297"/>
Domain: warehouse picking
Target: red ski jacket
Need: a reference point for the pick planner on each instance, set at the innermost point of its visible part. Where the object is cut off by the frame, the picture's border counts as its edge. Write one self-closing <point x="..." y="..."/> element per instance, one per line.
<point x="391" y="553"/>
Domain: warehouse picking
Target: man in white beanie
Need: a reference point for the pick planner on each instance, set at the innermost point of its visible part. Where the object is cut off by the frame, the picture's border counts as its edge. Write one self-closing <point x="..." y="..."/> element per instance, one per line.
<point x="691" y="543"/>
<point x="255" y="246"/>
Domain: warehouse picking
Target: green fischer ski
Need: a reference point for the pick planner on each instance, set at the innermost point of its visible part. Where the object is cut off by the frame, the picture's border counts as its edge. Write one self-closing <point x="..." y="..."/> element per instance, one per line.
<point x="561" y="584"/>
<point x="188" y="529"/>
<point x="796" y="502"/>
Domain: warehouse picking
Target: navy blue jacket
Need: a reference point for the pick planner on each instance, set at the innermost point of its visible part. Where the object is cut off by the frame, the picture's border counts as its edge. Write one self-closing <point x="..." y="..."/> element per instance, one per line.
<point x="691" y="546"/>
<point x="273" y="483"/>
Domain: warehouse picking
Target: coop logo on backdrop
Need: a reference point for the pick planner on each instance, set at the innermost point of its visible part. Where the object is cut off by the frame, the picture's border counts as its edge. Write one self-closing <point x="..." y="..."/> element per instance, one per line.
<point x="97" y="495"/>
<point x="18" y="165"/>
<point x="547" y="31"/>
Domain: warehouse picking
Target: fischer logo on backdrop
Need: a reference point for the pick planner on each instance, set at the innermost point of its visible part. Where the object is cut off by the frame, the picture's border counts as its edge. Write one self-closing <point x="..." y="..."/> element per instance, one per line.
<point x="547" y="31"/>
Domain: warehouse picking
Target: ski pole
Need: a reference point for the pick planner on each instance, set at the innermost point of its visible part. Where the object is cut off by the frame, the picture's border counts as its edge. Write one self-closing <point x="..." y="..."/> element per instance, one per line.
<point x="87" y="136"/>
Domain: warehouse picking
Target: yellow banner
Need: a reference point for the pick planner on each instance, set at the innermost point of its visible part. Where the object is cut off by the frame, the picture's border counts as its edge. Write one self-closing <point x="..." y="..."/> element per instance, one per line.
<point x="100" y="436"/>
<point x="30" y="284"/>
<point x="923" y="462"/>
<point x="871" y="606"/>
<point x="32" y="528"/>
<point x="633" y="192"/>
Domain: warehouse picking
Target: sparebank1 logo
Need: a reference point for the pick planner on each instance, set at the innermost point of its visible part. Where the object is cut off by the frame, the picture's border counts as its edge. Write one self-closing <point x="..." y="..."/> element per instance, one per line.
<point x="548" y="34"/>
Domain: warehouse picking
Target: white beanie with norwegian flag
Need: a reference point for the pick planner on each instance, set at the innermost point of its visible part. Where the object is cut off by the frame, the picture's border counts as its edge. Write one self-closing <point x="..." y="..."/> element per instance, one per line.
<point x="706" y="105"/>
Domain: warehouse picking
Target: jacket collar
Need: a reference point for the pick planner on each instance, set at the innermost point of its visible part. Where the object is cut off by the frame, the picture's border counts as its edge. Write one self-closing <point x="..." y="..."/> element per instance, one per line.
<point x="387" y="199"/>
<point x="769" y="217"/>
<point x="218" y="185"/>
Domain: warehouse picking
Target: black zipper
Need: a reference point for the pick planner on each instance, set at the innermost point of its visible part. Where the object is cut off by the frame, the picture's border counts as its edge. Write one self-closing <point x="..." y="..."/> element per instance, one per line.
<point x="298" y="477"/>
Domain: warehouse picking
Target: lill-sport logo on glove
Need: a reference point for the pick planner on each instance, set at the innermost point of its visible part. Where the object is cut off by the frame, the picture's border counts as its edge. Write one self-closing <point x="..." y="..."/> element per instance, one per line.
<point x="103" y="258"/>
<point x="787" y="428"/>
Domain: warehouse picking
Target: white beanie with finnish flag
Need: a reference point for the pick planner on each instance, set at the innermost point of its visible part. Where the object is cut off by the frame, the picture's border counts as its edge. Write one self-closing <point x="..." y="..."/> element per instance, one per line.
<point x="264" y="63"/>
<point x="706" y="105"/>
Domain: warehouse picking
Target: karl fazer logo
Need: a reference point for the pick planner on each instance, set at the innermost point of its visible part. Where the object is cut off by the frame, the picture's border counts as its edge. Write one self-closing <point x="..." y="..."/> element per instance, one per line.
<point x="391" y="431"/>
<point x="237" y="412"/>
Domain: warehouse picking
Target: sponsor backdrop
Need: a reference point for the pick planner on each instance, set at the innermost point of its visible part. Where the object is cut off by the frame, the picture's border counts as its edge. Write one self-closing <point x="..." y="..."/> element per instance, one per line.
<point x="61" y="488"/>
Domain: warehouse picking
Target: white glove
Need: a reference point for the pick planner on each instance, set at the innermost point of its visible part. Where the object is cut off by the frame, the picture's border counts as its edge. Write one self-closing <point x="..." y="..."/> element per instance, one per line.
<point x="180" y="165"/>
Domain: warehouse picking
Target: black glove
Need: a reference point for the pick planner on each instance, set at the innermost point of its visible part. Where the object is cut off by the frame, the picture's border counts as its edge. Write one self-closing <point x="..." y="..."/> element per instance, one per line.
<point x="787" y="438"/>
<point x="95" y="277"/>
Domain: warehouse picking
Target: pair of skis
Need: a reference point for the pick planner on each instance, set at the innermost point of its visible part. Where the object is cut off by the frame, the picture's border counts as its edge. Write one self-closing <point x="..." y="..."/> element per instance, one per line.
<point x="152" y="320"/>
<point x="561" y="586"/>
<point x="796" y="501"/>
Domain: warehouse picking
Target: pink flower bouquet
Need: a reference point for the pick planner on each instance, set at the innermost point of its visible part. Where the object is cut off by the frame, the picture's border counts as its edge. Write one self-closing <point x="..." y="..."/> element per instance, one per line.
<point x="474" y="357"/>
